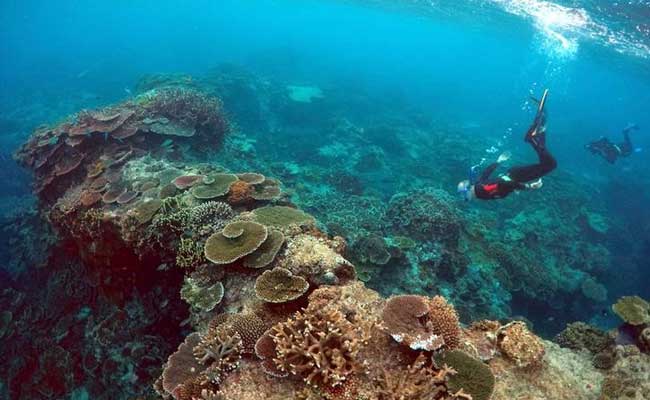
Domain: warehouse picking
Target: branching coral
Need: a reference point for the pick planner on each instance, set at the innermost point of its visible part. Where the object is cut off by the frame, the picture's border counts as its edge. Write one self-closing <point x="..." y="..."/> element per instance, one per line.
<point x="209" y="217"/>
<point x="319" y="345"/>
<point x="422" y="323"/>
<point x="415" y="382"/>
<point x="219" y="349"/>
<point x="189" y="254"/>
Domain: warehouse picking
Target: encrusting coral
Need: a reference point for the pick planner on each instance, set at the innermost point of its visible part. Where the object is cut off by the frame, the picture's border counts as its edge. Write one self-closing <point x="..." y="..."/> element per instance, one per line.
<point x="519" y="344"/>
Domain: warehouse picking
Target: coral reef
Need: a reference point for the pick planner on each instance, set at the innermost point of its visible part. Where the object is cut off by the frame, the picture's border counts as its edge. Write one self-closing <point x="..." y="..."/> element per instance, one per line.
<point x="161" y="244"/>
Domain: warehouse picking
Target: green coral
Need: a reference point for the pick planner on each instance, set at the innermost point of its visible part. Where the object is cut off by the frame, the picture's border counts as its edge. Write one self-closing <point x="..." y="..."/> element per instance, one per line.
<point x="189" y="254"/>
<point x="472" y="375"/>
<point x="633" y="310"/>
<point x="146" y="210"/>
<point x="5" y="320"/>
<point x="200" y="296"/>
<point x="236" y="240"/>
<point x="269" y="189"/>
<point x="218" y="186"/>
<point x="281" y="216"/>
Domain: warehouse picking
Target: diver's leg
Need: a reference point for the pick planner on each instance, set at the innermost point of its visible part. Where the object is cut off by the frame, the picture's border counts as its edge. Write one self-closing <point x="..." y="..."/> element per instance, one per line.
<point x="533" y="172"/>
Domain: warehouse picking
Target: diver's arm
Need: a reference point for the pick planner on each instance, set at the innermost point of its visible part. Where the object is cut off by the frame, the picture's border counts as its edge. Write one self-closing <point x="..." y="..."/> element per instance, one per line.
<point x="485" y="175"/>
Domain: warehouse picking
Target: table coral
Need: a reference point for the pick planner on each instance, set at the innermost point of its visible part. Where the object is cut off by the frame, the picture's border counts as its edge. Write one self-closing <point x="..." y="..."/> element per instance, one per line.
<point x="279" y="285"/>
<point x="633" y="310"/>
<point x="236" y="240"/>
<point x="266" y="253"/>
<point x="281" y="216"/>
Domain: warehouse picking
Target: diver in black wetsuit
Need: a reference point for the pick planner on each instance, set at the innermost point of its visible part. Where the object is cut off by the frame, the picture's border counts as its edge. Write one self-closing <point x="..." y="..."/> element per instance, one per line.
<point x="610" y="151"/>
<point x="516" y="178"/>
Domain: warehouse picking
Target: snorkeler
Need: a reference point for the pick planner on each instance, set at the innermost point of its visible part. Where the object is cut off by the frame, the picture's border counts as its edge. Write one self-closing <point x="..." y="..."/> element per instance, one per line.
<point x="525" y="177"/>
<point x="610" y="151"/>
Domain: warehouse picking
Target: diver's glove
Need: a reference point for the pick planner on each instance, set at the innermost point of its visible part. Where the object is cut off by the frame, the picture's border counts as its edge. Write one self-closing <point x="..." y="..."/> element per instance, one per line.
<point x="535" y="184"/>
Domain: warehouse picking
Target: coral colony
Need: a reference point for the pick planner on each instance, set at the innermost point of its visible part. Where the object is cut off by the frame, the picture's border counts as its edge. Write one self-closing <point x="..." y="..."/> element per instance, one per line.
<point x="178" y="276"/>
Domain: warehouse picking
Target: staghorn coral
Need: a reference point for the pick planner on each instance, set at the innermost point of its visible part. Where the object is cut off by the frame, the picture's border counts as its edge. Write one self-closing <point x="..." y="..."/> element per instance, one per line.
<point x="633" y="310"/>
<point x="188" y="108"/>
<point x="519" y="345"/>
<point x="236" y="240"/>
<point x="219" y="349"/>
<point x="318" y="345"/>
<point x="472" y="376"/>
<point x="422" y="323"/>
<point x="189" y="254"/>
<point x="279" y="285"/>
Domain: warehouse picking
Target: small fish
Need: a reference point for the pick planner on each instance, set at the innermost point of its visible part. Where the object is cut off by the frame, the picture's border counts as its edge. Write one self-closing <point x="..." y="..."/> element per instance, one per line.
<point x="127" y="90"/>
<point x="82" y="74"/>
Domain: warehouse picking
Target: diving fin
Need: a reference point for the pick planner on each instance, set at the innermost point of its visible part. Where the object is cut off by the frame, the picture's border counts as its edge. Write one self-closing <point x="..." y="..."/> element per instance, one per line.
<point x="537" y="128"/>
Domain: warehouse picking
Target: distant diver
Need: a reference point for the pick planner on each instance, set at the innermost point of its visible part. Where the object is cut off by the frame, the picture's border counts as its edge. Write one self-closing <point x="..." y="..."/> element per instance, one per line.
<point x="525" y="177"/>
<point x="610" y="151"/>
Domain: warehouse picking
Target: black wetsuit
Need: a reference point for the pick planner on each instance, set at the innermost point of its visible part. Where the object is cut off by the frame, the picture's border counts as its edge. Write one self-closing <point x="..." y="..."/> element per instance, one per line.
<point x="516" y="177"/>
<point x="610" y="151"/>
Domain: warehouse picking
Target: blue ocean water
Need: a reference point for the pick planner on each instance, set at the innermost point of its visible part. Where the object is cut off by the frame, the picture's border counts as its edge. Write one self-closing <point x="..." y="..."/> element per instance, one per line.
<point x="466" y="70"/>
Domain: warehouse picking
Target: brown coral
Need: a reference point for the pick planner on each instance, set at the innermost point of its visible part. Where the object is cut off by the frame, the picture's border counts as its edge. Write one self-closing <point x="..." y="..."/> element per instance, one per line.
<point x="219" y="349"/>
<point x="240" y="193"/>
<point x="236" y="240"/>
<point x="279" y="285"/>
<point x="422" y="323"/>
<point x="319" y="345"/>
<point x="519" y="344"/>
<point x="415" y="382"/>
<point x="248" y="326"/>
